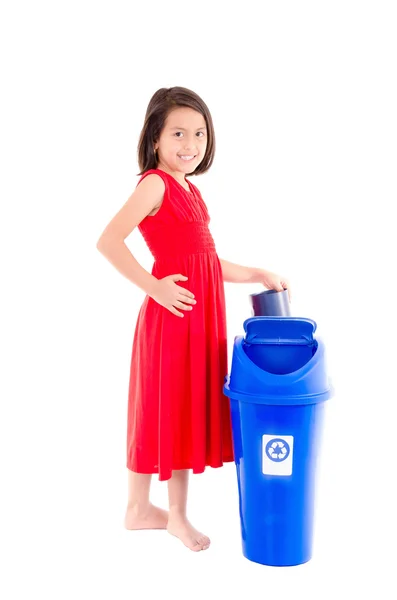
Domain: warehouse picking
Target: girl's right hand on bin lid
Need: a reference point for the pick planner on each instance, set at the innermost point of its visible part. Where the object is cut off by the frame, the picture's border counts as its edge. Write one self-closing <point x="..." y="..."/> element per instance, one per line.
<point x="172" y="296"/>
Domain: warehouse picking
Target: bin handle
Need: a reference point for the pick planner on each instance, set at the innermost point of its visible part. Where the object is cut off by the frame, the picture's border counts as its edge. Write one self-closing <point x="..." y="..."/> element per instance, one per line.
<point x="280" y="341"/>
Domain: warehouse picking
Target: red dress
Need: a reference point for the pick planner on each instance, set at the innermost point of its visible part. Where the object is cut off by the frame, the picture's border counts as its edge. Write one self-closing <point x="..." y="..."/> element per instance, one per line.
<point x="178" y="416"/>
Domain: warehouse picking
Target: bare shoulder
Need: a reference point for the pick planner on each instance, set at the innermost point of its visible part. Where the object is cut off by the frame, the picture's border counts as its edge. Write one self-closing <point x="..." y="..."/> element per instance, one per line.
<point x="149" y="185"/>
<point x="148" y="194"/>
<point x="155" y="189"/>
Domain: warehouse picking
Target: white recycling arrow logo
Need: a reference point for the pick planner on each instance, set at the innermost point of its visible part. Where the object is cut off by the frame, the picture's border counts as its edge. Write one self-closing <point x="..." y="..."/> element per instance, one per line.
<point x="281" y="453"/>
<point x="277" y="450"/>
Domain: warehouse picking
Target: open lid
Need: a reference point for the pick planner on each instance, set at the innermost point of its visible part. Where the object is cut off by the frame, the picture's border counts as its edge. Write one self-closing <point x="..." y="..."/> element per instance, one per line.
<point x="279" y="330"/>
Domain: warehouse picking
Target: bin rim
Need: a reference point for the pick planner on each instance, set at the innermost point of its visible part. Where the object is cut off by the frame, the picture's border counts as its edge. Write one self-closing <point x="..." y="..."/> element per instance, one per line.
<point x="279" y="318"/>
<point x="277" y="378"/>
<point x="272" y="399"/>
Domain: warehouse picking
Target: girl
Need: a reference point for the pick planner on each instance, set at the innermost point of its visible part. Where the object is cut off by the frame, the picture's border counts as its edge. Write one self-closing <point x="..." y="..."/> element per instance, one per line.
<point x="178" y="417"/>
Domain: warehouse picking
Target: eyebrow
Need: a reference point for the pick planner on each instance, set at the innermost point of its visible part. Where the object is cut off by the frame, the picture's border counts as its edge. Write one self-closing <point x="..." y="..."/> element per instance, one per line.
<point x="185" y="129"/>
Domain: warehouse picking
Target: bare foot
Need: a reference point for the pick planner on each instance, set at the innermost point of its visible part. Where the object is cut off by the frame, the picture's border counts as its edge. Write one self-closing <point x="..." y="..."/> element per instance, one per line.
<point x="153" y="518"/>
<point x="181" y="528"/>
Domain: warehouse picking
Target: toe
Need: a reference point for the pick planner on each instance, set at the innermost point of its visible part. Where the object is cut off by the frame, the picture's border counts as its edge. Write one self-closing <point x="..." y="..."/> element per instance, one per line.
<point x="204" y="540"/>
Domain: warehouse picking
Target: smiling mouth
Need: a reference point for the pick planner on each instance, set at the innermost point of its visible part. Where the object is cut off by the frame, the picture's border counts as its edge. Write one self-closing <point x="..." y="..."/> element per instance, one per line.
<point x="187" y="157"/>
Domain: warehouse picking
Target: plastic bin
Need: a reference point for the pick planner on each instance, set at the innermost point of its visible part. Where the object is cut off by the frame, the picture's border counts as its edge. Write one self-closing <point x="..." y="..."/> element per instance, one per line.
<point x="277" y="389"/>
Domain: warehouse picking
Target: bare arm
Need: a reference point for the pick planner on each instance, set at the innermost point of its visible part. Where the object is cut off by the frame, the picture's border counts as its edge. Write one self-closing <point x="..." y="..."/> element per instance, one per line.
<point x="142" y="201"/>
<point x="239" y="274"/>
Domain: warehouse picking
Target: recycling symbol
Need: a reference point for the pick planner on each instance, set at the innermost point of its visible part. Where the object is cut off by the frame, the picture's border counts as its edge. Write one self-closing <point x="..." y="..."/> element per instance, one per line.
<point x="277" y="450"/>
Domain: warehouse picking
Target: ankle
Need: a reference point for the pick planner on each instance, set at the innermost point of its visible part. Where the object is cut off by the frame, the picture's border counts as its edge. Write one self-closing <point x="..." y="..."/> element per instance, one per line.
<point x="177" y="513"/>
<point x="139" y="509"/>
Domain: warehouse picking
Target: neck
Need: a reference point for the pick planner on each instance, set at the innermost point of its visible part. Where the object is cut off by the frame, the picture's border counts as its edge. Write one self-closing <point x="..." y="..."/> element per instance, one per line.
<point x="176" y="174"/>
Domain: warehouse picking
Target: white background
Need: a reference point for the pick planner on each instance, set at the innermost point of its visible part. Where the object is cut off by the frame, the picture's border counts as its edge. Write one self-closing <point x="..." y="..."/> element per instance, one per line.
<point x="303" y="98"/>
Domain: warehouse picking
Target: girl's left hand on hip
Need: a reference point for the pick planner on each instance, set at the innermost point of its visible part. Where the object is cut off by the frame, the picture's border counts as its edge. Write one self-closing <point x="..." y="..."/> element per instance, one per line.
<point x="275" y="282"/>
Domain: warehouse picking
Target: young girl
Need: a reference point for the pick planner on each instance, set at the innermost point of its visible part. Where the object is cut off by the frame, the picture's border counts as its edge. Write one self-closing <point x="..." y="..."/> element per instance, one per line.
<point x="178" y="417"/>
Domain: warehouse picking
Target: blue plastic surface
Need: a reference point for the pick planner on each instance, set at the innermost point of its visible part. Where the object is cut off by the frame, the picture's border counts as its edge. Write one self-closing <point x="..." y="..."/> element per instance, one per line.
<point x="277" y="388"/>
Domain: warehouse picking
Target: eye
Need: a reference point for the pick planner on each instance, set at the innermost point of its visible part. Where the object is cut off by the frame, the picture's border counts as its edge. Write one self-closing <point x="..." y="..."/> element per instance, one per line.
<point x="199" y="132"/>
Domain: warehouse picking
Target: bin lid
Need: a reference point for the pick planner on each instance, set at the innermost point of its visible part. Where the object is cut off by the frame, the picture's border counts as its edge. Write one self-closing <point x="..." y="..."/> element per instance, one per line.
<point x="279" y="330"/>
<point x="289" y="343"/>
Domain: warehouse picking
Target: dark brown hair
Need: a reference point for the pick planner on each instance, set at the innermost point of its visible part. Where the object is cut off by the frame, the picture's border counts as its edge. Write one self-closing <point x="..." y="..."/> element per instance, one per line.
<point x="161" y="104"/>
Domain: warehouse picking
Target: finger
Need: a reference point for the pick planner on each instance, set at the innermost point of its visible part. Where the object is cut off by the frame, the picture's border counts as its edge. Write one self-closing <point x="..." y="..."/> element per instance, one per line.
<point x="185" y="292"/>
<point x="187" y="299"/>
<point x="176" y="312"/>
<point x="179" y="277"/>
<point x="183" y="306"/>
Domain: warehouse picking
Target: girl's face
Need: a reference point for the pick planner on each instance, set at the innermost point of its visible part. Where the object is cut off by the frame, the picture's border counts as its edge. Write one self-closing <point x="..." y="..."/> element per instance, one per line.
<point x="183" y="140"/>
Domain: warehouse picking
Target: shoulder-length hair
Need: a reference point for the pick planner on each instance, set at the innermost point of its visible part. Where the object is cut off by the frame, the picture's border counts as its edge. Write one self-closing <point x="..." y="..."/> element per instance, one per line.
<point x="161" y="104"/>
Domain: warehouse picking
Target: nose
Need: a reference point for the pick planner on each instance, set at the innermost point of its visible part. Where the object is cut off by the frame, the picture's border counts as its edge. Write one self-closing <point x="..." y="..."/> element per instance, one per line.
<point x="190" y="145"/>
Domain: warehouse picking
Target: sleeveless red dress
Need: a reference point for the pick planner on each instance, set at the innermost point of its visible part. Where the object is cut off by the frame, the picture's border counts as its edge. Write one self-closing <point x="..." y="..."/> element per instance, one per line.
<point x="178" y="416"/>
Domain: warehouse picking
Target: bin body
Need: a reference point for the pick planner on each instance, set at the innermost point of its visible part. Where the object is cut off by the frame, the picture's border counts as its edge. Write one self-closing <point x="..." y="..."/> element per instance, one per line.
<point x="277" y="390"/>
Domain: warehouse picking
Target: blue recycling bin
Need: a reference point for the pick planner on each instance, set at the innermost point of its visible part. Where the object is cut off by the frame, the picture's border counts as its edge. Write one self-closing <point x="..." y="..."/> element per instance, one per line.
<point x="277" y="388"/>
